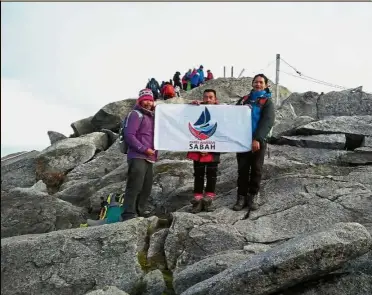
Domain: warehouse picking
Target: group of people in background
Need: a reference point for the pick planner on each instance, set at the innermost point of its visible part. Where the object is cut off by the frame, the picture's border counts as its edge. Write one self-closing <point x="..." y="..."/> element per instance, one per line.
<point x="195" y="78"/>
<point x="190" y="80"/>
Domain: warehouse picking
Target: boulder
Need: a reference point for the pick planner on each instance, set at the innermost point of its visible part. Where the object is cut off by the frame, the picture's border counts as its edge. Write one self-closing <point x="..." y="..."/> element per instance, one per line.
<point x="112" y="136"/>
<point x="304" y="104"/>
<point x="55" y="136"/>
<point x="313" y="201"/>
<point x="40" y="186"/>
<point x="206" y="268"/>
<point x="80" y="192"/>
<point x="31" y="211"/>
<point x="320" y="141"/>
<point x="83" y="126"/>
<point x="209" y="239"/>
<point x="344" y="103"/>
<point x="291" y="263"/>
<point x="367" y="141"/>
<point x="66" y="154"/>
<point x="289" y="126"/>
<point x="229" y="90"/>
<point x="173" y="184"/>
<point x="19" y="170"/>
<point x="360" y="156"/>
<point x="74" y="261"/>
<point x="182" y="223"/>
<point x="111" y="290"/>
<point x="154" y="283"/>
<point x="355" y="125"/>
<point x="335" y="284"/>
<point x="110" y="116"/>
<point x="155" y="253"/>
<point x="102" y="164"/>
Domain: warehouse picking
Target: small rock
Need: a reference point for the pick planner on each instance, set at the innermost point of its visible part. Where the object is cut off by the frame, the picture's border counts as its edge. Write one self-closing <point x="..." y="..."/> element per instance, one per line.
<point x="55" y="136"/>
<point x="111" y="290"/>
<point x="154" y="282"/>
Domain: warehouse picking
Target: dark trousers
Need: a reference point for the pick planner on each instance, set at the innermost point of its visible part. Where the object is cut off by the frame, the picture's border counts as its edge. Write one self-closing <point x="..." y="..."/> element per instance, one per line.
<point x="250" y="171"/>
<point x="202" y="169"/>
<point x="138" y="188"/>
<point x="178" y="83"/>
<point x="185" y="86"/>
<point x="156" y="95"/>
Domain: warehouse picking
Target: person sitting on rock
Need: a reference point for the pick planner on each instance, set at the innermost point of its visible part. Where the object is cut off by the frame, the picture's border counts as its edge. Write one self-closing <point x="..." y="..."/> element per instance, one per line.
<point x="139" y="135"/>
<point x="250" y="163"/>
<point x="205" y="164"/>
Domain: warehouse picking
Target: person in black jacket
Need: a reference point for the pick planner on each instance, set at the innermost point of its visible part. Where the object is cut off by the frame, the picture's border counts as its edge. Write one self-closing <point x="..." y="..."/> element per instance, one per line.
<point x="177" y="80"/>
<point x="250" y="163"/>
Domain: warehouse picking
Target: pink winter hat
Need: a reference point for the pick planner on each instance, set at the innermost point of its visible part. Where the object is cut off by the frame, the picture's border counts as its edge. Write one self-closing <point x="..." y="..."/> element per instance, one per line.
<point x="145" y="94"/>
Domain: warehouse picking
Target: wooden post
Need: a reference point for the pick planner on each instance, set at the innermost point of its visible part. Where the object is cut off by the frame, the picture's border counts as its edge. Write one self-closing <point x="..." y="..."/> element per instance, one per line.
<point x="232" y="71"/>
<point x="224" y="71"/>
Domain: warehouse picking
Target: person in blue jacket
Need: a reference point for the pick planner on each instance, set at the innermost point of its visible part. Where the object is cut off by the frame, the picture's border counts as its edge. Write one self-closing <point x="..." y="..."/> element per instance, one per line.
<point x="194" y="79"/>
<point x="201" y="75"/>
<point x="250" y="163"/>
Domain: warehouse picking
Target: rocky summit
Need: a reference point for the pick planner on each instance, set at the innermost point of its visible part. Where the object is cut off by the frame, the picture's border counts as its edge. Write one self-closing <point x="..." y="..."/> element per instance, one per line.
<point x="311" y="234"/>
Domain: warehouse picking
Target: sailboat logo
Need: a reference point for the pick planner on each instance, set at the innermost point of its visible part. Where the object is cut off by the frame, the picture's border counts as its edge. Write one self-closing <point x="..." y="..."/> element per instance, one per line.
<point x="202" y="129"/>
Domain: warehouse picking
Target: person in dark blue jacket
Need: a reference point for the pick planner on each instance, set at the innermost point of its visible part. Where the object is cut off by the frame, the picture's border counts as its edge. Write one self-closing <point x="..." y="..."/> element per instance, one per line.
<point x="250" y="163"/>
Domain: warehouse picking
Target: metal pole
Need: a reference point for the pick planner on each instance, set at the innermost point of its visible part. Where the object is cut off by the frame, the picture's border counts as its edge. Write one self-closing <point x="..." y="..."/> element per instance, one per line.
<point x="232" y="72"/>
<point x="277" y="79"/>
<point x="241" y="73"/>
<point x="224" y="71"/>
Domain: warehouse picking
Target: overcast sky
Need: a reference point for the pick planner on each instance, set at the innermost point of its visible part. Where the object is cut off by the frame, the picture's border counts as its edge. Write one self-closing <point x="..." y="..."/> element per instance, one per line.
<point x="61" y="62"/>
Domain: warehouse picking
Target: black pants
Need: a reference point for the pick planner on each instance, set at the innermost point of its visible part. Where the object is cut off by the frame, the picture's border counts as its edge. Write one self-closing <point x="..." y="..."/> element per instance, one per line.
<point x="202" y="169"/>
<point x="139" y="185"/>
<point x="156" y="95"/>
<point x="250" y="171"/>
<point x="185" y="86"/>
<point x="178" y="83"/>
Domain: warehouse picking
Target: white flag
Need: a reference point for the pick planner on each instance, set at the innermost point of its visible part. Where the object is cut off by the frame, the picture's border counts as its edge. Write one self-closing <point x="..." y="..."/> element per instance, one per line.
<point x="207" y="128"/>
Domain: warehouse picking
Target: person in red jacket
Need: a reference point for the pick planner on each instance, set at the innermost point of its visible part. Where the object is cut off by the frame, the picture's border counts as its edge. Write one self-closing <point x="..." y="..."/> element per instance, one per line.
<point x="209" y="76"/>
<point x="205" y="164"/>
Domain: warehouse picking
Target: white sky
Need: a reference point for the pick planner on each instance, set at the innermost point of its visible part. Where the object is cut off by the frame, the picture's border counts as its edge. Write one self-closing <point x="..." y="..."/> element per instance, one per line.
<point x="61" y="62"/>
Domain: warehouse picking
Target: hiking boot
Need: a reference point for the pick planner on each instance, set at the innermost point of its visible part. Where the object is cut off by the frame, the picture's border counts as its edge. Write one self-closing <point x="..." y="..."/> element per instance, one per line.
<point x="251" y="204"/>
<point x="197" y="206"/>
<point x="207" y="204"/>
<point x="241" y="202"/>
<point x="126" y="216"/>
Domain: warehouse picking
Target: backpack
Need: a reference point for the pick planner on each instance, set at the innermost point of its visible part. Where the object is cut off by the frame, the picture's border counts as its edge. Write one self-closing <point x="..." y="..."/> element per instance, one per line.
<point x="169" y="91"/>
<point x="111" y="209"/>
<point x="153" y="86"/>
<point x="122" y="143"/>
